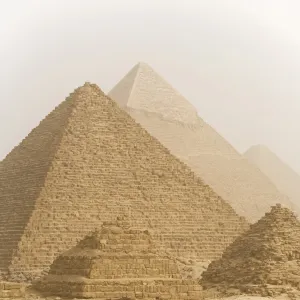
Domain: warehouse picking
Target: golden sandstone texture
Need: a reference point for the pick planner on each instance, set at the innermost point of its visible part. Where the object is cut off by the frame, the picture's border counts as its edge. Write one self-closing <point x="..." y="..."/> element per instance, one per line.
<point x="117" y="262"/>
<point x="87" y="162"/>
<point x="265" y="260"/>
<point x="169" y="117"/>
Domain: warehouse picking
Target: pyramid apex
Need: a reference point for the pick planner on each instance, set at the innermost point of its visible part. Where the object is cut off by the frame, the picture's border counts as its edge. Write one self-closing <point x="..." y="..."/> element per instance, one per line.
<point x="89" y="87"/>
<point x="142" y="63"/>
<point x="281" y="209"/>
<point x="143" y="89"/>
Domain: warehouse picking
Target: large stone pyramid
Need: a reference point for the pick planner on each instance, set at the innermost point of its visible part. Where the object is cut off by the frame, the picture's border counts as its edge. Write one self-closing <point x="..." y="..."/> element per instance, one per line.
<point x="169" y="117"/>
<point x="115" y="262"/>
<point x="264" y="260"/>
<point x="281" y="174"/>
<point x="87" y="162"/>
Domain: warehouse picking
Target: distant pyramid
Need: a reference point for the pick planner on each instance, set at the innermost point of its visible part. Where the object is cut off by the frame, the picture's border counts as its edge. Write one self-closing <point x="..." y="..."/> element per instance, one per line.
<point x="143" y="89"/>
<point x="87" y="162"/>
<point x="169" y="117"/>
<point x="282" y="175"/>
<point x="117" y="262"/>
<point x="265" y="258"/>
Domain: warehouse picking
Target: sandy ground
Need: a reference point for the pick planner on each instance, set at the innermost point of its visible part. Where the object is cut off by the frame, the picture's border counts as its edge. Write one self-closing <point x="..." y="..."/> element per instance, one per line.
<point x="33" y="295"/>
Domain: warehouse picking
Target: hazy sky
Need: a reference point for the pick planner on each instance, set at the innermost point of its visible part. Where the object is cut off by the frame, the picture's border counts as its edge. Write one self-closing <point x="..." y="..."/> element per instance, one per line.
<point x="237" y="61"/>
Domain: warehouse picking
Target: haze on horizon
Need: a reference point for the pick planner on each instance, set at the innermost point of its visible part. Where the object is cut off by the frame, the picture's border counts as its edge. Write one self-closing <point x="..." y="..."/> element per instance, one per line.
<point x="236" y="61"/>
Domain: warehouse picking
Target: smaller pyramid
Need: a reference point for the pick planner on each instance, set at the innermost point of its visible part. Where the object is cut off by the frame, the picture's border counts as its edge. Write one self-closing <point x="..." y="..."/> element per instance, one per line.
<point x="265" y="260"/>
<point x="117" y="261"/>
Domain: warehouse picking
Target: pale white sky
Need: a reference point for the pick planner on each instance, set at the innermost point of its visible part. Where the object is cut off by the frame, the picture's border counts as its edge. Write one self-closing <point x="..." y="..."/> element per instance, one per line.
<point x="237" y="61"/>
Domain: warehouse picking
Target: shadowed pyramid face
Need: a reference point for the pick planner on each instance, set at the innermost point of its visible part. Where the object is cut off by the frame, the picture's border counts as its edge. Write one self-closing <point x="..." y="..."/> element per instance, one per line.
<point x="88" y="162"/>
<point x="169" y="117"/>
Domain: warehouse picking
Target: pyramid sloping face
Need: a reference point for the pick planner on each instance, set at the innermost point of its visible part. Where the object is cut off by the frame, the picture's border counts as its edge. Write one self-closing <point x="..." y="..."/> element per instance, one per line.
<point x="86" y="163"/>
<point x="242" y="184"/>
<point x="268" y="253"/>
<point x="22" y="176"/>
<point x="281" y="174"/>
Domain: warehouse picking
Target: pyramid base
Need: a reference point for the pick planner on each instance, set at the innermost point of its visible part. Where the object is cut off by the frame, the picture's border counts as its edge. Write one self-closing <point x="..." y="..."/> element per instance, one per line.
<point x="133" y="288"/>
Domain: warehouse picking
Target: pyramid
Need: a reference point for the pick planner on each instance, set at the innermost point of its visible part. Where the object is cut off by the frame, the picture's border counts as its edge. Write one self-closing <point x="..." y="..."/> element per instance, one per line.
<point x="281" y="174"/>
<point x="169" y="117"/>
<point x="115" y="262"/>
<point x="87" y="162"/>
<point x="265" y="258"/>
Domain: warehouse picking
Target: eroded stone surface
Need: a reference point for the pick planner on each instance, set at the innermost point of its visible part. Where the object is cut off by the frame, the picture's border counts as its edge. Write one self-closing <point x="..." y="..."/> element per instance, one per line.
<point x="86" y="163"/>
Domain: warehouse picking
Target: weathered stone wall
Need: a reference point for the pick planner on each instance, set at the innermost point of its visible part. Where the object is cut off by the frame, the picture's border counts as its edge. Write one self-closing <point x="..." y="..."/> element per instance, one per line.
<point x="117" y="266"/>
<point x="169" y="117"/>
<point x="106" y="161"/>
<point x="172" y="289"/>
